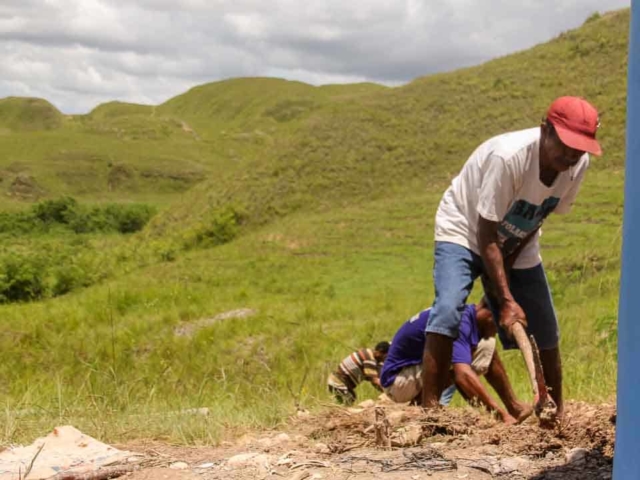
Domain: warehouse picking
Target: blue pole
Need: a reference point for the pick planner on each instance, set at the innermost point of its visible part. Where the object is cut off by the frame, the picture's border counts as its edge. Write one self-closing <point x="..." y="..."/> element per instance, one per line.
<point x="626" y="465"/>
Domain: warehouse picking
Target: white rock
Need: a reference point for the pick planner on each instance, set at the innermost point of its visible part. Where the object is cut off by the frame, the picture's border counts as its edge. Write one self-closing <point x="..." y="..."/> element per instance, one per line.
<point x="300" y="439"/>
<point x="367" y="404"/>
<point x="179" y="466"/>
<point x="512" y="464"/>
<point x="248" y="460"/>
<point x="283" y="438"/>
<point x="266" y="442"/>
<point x="321" y="448"/>
<point x="206" y="465"/>
<point x="317" y="476"/>
<point x="246" y="440"/>
<point x="577" y="455"/>
<point x="407" y="436"/>
<point x="301" y="476"/>
<point x="396" y="417"/>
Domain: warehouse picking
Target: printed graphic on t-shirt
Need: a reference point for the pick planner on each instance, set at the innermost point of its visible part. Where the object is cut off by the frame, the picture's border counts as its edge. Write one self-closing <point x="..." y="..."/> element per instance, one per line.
<point x="522" y="219"/>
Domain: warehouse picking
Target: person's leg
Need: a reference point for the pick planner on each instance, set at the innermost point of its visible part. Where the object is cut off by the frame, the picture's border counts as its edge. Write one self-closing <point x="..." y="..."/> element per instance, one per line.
<point x="336" y="394"/>
<point x="531" y="290"/>
<point x="483" y="355"/>
<point x="498" y="379"/>
<point x="455" y="269"/>
<point x="552" y="368"/>
<point x="340" y="391"/>
<point x="407" y="385"/>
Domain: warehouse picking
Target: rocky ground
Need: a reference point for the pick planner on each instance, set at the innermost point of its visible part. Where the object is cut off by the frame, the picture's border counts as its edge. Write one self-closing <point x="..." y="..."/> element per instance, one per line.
<point x="399" y="442"/>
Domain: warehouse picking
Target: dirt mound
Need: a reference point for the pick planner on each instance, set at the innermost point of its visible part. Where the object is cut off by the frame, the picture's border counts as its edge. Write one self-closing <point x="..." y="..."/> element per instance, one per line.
<point x="120" y="176"/>
<point x="388" y="441"/>
<point x="25" y="187"/>
<point x="584" y="426"/>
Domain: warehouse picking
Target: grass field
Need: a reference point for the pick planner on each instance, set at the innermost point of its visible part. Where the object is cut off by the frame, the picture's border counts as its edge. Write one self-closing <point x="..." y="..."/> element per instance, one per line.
<point x="311" y="206"/>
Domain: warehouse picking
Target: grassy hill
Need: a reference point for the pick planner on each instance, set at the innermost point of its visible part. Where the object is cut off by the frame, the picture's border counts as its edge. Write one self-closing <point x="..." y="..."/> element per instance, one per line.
<point x="418" y="135"/>
<point x="30" y="114"/>
<point x="311" y="206"/>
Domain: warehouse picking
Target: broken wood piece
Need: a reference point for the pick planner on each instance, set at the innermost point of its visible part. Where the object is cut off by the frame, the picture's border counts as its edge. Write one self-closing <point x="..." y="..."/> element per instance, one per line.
<point x="383" y="428"/>
<point x="104" y="473"/>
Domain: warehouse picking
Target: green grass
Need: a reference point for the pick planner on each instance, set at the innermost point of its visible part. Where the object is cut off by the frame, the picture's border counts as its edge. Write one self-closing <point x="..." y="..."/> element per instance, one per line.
<point x="313" y="206"/>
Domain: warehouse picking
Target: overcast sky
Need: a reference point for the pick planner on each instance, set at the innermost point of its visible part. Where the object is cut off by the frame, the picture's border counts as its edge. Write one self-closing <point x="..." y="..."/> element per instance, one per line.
<point x="80" y="53"/>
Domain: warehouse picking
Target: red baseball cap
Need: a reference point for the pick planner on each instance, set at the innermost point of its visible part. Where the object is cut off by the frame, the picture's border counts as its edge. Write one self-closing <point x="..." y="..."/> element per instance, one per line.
<point x="576" y="122"/>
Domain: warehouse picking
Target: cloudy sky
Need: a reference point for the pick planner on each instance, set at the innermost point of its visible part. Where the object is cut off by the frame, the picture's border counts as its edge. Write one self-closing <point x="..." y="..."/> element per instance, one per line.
<point x="79" y="53"/>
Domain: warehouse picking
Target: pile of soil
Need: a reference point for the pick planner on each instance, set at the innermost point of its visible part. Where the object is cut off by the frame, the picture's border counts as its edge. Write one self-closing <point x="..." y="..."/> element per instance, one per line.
<point x="387" y="441"/>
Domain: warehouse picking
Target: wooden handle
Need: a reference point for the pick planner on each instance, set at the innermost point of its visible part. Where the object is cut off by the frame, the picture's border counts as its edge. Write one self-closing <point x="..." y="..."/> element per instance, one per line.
<point x="522" y="340"/>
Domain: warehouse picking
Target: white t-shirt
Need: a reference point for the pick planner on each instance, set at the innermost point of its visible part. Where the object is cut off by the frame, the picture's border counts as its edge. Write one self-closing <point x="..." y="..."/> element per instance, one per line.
<point x="501" y="182"/>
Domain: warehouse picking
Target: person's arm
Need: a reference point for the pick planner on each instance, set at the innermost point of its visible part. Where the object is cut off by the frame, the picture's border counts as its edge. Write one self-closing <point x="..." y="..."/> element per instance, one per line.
<point x="511" y="259"/>
<point x="375" y="381"/>
<point x="473" y="390"/>
<point x="494" y="263"/>
<point x="371" y="372"/>
<point x="496" y="195"/>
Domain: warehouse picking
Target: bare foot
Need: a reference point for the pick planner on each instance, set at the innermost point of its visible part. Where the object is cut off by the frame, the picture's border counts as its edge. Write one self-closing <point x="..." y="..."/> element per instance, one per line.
<point x="508" y="419"/>
<point x="521" y="411"/>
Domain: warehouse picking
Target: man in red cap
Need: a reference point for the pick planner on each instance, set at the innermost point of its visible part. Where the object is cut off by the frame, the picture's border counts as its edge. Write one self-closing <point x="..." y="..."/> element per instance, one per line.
<point x="488" y="225"/>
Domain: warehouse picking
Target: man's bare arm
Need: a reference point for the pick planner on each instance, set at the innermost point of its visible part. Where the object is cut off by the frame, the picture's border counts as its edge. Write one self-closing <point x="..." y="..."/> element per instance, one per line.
<point x="473" y="390"/>
<point x="375" y="381"/>
<point x="494" y="263"/>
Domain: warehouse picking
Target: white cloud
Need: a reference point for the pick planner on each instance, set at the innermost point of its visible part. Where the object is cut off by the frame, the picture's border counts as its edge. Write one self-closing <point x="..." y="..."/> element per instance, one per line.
<point x="78" y="53"/>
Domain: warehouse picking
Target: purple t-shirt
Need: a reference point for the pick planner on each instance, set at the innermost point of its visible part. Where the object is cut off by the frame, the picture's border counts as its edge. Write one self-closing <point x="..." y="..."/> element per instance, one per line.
<point x="407" y="346"/>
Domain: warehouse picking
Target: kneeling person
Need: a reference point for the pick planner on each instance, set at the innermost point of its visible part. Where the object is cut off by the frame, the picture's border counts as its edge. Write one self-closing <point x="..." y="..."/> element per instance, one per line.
<point x="362" y="365"/>
<point x="473" y="355"/>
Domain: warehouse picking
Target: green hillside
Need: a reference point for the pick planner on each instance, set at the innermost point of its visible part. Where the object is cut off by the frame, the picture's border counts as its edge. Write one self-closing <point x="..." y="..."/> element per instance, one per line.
<point x="417" y="136"/>
<point x="310" y="206"/>
<point x="30" y="114"/>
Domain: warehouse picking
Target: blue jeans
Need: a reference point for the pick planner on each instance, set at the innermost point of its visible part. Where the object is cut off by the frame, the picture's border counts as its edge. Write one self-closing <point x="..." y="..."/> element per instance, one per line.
<point x="456" y="268"/>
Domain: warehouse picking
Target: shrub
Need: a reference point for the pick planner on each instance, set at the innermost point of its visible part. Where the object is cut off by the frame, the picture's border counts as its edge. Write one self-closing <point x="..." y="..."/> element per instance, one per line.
<point x="61" y="210"/>
<point x="593" y="17"/>
<point x="221" y="227"/>
<point x="68" y="278"/>
<point x="129" y="218"/>
<point x="66" y="211"/>
<point x="22" y="279"/>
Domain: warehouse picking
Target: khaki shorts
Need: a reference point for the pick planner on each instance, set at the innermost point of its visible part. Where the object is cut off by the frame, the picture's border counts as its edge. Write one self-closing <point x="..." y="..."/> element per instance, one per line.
<point x="408" y="382"/>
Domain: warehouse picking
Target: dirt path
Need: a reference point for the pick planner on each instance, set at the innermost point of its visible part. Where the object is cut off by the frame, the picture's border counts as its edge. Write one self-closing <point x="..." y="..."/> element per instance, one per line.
<point x="343" y="444"/>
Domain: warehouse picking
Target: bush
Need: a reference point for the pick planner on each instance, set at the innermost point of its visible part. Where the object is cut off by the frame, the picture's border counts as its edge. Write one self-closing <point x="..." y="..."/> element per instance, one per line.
<point x="70" y="277"/>
<point x="221" y="227"/>
<point x="67" y="212"/>
<point x="62" y="210"/>
<point x="22" y="279"/>
<point x="129" y="218"/>
<point x="593" y="17"/>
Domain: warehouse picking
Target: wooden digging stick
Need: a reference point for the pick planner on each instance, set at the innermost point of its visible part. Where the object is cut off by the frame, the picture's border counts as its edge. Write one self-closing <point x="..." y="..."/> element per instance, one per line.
<point x="521" y="339"/>
<point x="545" y="408"/>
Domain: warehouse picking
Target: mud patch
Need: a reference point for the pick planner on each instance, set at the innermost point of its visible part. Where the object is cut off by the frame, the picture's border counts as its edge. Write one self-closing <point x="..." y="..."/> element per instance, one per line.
<point x="189" y="329"/>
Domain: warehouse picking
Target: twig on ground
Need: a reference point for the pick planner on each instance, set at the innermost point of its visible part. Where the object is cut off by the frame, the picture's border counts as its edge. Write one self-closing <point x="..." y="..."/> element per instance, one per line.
<point x="310" y="463"/>
<point x="101" y="474"/>
<point x="33" y="460"/>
